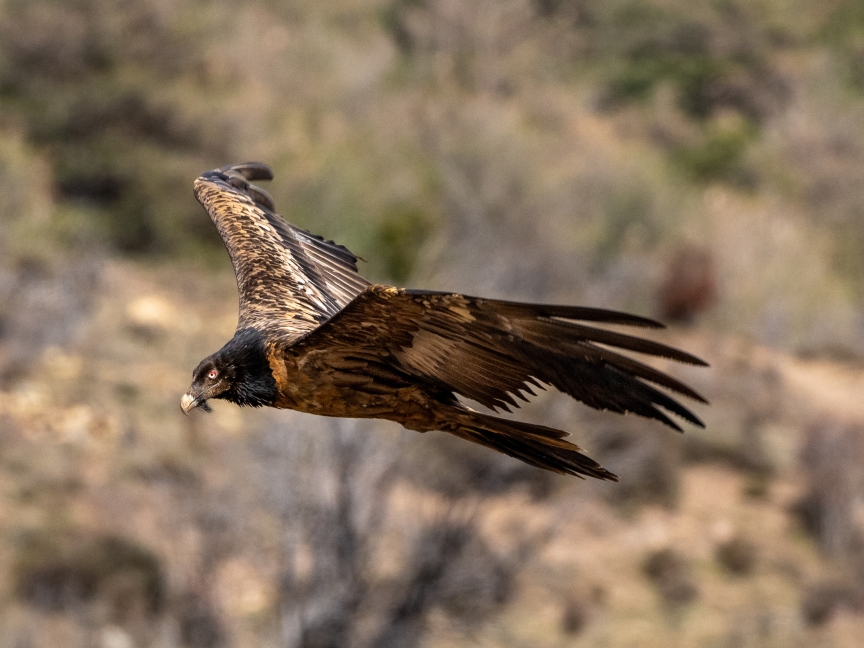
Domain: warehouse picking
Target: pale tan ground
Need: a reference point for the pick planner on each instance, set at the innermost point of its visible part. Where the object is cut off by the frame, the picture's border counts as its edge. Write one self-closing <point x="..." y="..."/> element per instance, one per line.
<point x="70" y="464"/>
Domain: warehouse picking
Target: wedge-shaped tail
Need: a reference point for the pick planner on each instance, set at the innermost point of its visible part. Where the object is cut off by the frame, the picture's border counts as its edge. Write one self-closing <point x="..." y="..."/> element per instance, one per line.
<point x="536" y="445"/>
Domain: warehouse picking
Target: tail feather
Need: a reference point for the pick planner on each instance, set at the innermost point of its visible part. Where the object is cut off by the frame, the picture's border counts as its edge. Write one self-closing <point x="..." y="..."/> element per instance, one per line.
<point x="536" y="445"/>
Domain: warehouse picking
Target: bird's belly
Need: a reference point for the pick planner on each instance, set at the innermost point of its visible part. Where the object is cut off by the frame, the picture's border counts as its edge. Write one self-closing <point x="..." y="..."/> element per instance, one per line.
<point x="313" y="385"/>
<point x="332" y="400"/>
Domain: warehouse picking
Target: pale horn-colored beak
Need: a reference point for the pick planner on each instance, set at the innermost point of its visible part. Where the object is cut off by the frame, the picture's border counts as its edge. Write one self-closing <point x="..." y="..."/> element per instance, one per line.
<point x="188" y="403"/>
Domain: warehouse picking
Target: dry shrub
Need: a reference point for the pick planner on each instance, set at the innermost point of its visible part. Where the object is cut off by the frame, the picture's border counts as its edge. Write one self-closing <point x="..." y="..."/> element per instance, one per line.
<point x="672" y="575"/>
<point x="713" y="56"/>
<point x="198" y="624"/>
<point x="575" y="617"/>
<point x="336" y="496"/>
<point x="62" y="571"/>
<point x="749" y="395"/>
<point x="579" y="607"/>
<point x="647" y="459"/>
<point x="480" y="46"/>
<point x="44" y="304"/>
<point x="824" y="599"/>
<point x="739" y="556"/>
<point x="83" y="52"/>
<point x="822" y="146"/>
<point x="46" y="293"/>
<point x="833" y="463"/>
<point x="760" y="249"/>
<point x="452" y="569"/>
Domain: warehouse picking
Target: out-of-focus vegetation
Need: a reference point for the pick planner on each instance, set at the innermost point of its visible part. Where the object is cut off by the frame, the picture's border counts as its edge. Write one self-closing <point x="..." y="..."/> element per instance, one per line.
<point x="697" y="161"/>
<point x="602" y="133"/>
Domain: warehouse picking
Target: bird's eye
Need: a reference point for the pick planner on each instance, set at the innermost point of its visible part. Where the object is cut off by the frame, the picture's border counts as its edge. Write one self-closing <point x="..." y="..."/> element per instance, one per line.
<point x="213" y="373"/>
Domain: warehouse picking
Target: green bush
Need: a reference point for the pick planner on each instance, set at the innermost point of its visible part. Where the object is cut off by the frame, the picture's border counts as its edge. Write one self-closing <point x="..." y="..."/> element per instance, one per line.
<point x="719" y="156"/>
<point x="400" y="236"/>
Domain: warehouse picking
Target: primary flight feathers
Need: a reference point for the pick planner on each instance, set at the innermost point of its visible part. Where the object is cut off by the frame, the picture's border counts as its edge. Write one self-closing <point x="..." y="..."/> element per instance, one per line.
<point x="314" y="336"/>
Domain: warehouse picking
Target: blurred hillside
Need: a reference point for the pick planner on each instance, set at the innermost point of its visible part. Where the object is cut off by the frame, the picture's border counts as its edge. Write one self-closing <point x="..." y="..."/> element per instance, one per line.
<point x="694" y="161"/>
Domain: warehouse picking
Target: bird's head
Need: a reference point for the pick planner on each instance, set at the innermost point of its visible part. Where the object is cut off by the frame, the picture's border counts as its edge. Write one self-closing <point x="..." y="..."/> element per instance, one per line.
<point x="212" y="378"/>
<point x="239" y="372"/>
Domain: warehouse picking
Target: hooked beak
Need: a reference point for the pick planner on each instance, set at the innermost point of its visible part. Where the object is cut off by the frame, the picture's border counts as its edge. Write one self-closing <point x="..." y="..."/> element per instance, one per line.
<point x="190" y="401"/>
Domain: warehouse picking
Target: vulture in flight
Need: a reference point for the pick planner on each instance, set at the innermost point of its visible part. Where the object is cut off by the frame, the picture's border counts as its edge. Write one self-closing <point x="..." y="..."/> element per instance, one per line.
<point x="315" y="336"/>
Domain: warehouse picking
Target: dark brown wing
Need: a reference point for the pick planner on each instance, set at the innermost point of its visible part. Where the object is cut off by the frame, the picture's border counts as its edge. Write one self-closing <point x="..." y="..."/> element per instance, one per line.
<point x="290" y="281"/>
<point x="494" y="352"/>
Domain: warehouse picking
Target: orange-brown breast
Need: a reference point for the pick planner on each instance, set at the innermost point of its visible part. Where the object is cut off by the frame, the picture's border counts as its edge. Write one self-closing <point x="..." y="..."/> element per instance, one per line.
<point x="329" y="383"/>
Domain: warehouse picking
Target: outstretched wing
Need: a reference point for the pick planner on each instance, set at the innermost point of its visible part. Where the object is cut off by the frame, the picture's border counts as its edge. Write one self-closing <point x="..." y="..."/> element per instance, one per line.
<point x="494" y="352"/>
<point x="289" y="280"/>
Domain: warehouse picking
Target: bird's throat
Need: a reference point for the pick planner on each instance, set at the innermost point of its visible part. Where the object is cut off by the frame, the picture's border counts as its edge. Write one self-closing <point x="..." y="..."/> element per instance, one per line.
<point x="253" y="385"/>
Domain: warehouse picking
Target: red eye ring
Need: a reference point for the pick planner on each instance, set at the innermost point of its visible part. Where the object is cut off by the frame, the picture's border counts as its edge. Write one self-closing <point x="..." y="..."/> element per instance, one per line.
<point x="213" y="373"/>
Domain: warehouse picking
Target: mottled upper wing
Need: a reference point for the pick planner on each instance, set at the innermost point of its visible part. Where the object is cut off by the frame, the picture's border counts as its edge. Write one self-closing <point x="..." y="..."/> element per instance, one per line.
<point x="494" y="351"/>
<point x="290" y="281"/>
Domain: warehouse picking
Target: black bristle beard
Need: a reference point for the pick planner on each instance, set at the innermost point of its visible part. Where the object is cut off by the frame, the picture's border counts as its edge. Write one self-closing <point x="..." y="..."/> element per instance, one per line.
<point x="246" y="356"/>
